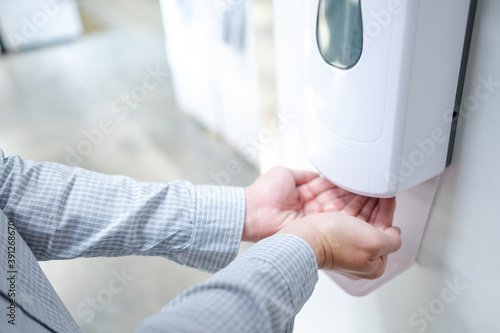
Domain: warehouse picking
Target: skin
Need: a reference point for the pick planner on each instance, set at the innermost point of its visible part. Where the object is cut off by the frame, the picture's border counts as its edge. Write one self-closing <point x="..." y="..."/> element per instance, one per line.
<point x="349" y="233"/>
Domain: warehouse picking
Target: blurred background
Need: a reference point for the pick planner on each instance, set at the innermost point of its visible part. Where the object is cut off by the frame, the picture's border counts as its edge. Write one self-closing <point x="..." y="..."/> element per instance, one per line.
<point x="136" y="88"/>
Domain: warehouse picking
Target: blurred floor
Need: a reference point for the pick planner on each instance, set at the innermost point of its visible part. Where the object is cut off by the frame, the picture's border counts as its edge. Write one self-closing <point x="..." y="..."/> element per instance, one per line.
<point x="50" y="97"/>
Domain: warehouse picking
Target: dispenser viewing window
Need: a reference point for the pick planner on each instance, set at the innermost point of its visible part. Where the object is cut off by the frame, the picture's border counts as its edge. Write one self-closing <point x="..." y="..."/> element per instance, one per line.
<point x="340" y="32"/>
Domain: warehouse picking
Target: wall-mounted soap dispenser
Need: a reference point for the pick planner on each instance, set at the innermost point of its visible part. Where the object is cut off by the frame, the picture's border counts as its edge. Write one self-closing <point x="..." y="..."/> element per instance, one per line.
<point x="383" y="85"/>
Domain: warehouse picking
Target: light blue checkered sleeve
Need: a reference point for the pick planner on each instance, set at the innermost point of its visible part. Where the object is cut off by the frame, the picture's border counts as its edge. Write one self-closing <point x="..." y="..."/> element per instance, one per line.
<point x="63" y="212"/>
<point x="261" y="291"/>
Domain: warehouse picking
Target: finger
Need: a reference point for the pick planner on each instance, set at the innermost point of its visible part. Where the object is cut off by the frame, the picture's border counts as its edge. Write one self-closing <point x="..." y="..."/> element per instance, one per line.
<point x="374" y="214"/>
<point x="303" y="177"/>
<point x="391" y="241"/>
<point x="367" y="209"/>
<point x="385" y="214"/>
<point x="354" y="207"/>
<point x="315" y="187"/>
<point x="319" y="185"/>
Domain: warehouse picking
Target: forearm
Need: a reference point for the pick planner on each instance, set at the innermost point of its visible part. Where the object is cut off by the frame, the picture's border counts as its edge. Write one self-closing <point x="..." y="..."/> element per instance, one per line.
<point x="64" y="212"/>
<point x="261" y="291"/>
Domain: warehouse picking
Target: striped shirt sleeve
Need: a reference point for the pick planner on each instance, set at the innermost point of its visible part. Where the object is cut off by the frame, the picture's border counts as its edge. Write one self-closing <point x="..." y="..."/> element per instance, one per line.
<point x="260" y="292"/>
<point x="64" y="212"/>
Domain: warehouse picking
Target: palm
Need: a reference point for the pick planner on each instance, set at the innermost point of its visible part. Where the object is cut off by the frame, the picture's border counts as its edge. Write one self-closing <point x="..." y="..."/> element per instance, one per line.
<point x="283" y="195"/>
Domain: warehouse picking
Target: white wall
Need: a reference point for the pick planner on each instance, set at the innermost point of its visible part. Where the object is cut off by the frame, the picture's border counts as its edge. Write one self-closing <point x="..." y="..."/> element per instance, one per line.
<point x="455" y="284"/>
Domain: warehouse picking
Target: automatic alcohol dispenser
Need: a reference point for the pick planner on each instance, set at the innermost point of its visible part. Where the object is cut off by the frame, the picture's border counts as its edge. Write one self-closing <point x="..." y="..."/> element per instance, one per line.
<point x="383" y="85"/>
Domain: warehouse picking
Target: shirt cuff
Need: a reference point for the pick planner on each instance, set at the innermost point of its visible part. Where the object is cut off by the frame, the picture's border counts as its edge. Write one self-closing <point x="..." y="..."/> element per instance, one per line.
<point x="294" y="259"/>
<point x="218" y="226"/>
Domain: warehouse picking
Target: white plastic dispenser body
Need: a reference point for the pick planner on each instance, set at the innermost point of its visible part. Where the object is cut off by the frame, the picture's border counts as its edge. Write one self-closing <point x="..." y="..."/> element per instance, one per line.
<point x="381" y="80"/>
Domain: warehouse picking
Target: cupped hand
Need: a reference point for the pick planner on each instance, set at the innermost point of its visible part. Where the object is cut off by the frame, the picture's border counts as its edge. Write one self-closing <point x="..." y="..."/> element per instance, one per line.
<point x="282" y="195"/>
<point x="346" y="244"/>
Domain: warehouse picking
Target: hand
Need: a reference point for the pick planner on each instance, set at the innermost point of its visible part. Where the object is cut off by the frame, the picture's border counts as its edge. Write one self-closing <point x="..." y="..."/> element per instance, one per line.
<point x="346" y="244"/>
<point x="282" y="195"/>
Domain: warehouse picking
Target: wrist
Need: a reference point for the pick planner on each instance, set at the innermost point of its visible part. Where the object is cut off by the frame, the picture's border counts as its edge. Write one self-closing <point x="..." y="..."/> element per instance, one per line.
<point x="309" y="236"/>
<point x="251" y="217"/>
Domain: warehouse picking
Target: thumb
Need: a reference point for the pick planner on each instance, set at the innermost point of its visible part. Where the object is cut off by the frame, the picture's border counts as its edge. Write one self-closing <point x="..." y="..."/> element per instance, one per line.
<point x="303" y="177"/>
<point x="391" y="240"/>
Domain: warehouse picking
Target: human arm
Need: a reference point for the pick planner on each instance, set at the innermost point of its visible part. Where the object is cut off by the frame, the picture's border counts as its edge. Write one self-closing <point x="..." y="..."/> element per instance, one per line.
<point x="64" y="212"/>
<point x="263" y="289"/>
<point x="115" y="215"/>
